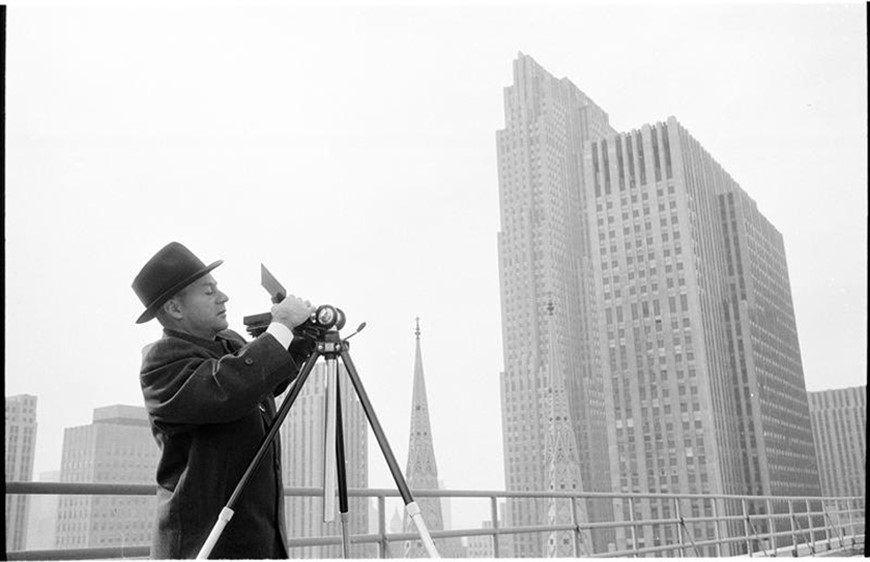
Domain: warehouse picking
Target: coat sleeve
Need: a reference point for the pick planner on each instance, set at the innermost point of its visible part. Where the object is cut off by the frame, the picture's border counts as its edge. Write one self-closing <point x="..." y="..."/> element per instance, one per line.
<point x="183" y="384"/>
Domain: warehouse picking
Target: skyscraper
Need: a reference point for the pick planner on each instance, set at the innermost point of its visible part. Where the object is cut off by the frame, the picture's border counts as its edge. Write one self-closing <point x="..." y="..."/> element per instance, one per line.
<point x="659" y="281"/>
<point x="20" y="449"/>
<point x="681" y="356"/>
<point x="545" y="251"/>
<point x="704" y="366"/>
<point x="839" y="419"/>
<point x="117" y="447"/>
<point x="302" y="458"/>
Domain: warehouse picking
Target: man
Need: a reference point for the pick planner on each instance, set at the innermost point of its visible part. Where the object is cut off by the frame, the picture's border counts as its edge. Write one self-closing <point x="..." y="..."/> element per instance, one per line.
<point x="210" y="401"/>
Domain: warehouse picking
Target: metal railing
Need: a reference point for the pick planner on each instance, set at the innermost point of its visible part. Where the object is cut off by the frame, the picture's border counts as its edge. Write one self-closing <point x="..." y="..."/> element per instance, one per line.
<point x="698" y="525"/>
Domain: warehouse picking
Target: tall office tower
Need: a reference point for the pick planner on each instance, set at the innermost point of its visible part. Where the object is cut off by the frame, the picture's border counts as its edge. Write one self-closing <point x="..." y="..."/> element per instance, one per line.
<point x="117" y="447"/>
<point x="20" y="450"/>
<point x="545" y="252"/>
<point x="839" y="420"/>
<point x="703" y="375"/>
<point x="302" y="460"/>
<point x="422" y="470"/>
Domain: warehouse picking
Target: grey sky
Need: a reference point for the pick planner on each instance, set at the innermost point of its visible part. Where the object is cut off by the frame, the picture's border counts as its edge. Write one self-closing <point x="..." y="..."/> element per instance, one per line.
<point x="351" y="148"/>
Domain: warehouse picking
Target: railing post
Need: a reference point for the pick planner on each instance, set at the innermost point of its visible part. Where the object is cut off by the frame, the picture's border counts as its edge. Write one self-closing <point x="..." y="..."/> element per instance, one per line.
<point x="746" y="527"/>
<point x="811" y="525"/>
<point x="716" y="531"/>
<point x="827" y="531"/>
<point x="851" y="523"/>
<point x="633" y="526"/>
<point x="679" y="517"/>
<point x="791" y="521"/>
<point x="382" y="526"/>
<point x="771" y="526"/>
<point x="575" y="521"/>
<point x="494" y="513"/>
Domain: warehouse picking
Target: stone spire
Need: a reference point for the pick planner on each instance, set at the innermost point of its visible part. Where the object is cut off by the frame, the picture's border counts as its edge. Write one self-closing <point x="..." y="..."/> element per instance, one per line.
<point x="421" y="472"/>
<point x="563" y="467"/>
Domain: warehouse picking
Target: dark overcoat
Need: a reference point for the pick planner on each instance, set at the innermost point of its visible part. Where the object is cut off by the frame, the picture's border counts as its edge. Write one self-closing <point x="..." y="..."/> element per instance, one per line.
<point x="210" y="403"/>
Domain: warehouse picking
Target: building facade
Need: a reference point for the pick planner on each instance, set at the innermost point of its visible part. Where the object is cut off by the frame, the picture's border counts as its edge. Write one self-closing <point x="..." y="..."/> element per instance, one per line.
<point x="20" y="445"/>
<point x="839" y="419"/>
<point x="678" y="335"/>
<point x="42" y="521"/>
<point x="545" y="253"/>
<point x="117" y="447"/>
<point x="302" y="460"/>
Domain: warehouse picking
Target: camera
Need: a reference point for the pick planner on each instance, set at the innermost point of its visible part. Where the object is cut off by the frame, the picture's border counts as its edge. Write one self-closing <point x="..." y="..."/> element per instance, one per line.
<point x="325" y="318"/>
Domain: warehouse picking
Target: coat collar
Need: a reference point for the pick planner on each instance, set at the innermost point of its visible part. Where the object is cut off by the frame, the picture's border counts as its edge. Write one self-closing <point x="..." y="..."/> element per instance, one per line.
<point x="216" y="345"/>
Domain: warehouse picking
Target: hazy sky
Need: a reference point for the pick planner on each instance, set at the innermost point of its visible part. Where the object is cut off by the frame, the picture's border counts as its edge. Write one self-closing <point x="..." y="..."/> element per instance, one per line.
<point x="351" y="148"/>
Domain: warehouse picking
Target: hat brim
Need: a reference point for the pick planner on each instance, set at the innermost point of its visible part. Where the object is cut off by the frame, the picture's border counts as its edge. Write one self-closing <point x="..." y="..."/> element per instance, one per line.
<point x="152" y="309"/>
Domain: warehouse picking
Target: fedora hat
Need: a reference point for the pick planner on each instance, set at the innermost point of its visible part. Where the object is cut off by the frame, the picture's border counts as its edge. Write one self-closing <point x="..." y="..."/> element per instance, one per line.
<point x="171" y="269"/>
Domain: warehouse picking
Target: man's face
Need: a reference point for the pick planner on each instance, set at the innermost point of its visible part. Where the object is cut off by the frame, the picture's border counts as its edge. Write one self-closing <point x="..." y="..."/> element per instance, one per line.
<point x="202" y="308"/>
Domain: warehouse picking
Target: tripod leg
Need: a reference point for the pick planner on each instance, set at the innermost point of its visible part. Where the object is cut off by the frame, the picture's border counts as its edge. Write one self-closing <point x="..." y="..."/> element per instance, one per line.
<point x="341" y="474"/>
<point x="329" y="462"/>
<point x="227" y="512"/>
<point x="411" y="506"/>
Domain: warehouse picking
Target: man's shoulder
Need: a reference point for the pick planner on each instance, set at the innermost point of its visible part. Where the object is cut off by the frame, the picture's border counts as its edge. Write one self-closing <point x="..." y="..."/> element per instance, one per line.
<point x="169" y="344"/>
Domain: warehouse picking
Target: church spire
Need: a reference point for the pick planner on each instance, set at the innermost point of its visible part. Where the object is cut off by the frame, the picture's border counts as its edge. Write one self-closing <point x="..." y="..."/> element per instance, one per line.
<point x="563" y="467"/>
<point x="422" y="472"/>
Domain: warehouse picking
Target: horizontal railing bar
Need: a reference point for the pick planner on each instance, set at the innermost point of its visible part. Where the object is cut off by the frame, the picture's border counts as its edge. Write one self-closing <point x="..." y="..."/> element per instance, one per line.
<point x="81" y="553"/>
<point x="61" y="488"/>
<point x="79" y="488"/>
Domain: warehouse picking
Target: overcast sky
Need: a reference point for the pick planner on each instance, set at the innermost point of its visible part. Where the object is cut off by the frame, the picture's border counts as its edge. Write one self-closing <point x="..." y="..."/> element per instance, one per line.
<point x="351" y="148"/>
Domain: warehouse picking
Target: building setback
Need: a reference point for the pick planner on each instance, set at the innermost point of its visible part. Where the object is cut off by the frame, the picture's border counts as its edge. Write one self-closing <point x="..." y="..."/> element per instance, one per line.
<point x="20" y="444"/>
<point x="839" y="419"/>
<point x="302" y="458"/>
<point x="117" y="447"/>
<point x="544" y="253"/>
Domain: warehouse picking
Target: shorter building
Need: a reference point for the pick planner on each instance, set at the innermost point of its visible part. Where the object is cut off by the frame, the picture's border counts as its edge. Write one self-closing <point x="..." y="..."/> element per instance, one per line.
<point x="42" y="520"/>
<point x="117" y="447"/>
<point x="20" y="447"/>
<point x="302" y="463"/>
<point x="839" y="421"/>
<point x="480" y="546"/>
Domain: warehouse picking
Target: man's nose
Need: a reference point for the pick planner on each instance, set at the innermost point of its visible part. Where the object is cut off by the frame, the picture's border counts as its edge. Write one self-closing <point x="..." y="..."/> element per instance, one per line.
<point x="222" y="297"/>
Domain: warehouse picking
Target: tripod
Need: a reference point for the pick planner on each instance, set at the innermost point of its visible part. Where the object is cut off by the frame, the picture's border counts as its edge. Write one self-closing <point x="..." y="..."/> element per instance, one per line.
<point x="330" y="346"/>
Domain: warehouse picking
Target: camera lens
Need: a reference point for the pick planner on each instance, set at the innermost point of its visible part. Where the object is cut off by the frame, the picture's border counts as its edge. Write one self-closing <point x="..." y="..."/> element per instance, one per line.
<point x="326" y="316"/>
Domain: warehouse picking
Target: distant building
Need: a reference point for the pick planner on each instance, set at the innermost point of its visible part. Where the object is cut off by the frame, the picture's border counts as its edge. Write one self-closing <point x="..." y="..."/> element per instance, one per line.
<point x="302" y="458"/>
<point x="117" y="447"/>
<point x="674" y="322"/>
<point x="42" y="522"/>
<point x="20" y="450"/>
<point x="839" y="419"/>
<point x="480" y="546"/>
<point x="704" y="366"/>
<point x="544" y="250"/>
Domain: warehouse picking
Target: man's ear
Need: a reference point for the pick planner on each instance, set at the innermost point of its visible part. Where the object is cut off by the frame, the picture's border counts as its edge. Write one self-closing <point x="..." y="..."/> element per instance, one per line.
<point x="172" y="307"/>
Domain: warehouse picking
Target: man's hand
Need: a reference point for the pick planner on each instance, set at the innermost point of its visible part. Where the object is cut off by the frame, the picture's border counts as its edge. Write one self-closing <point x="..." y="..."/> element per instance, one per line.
<point x="292" y="311"/>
